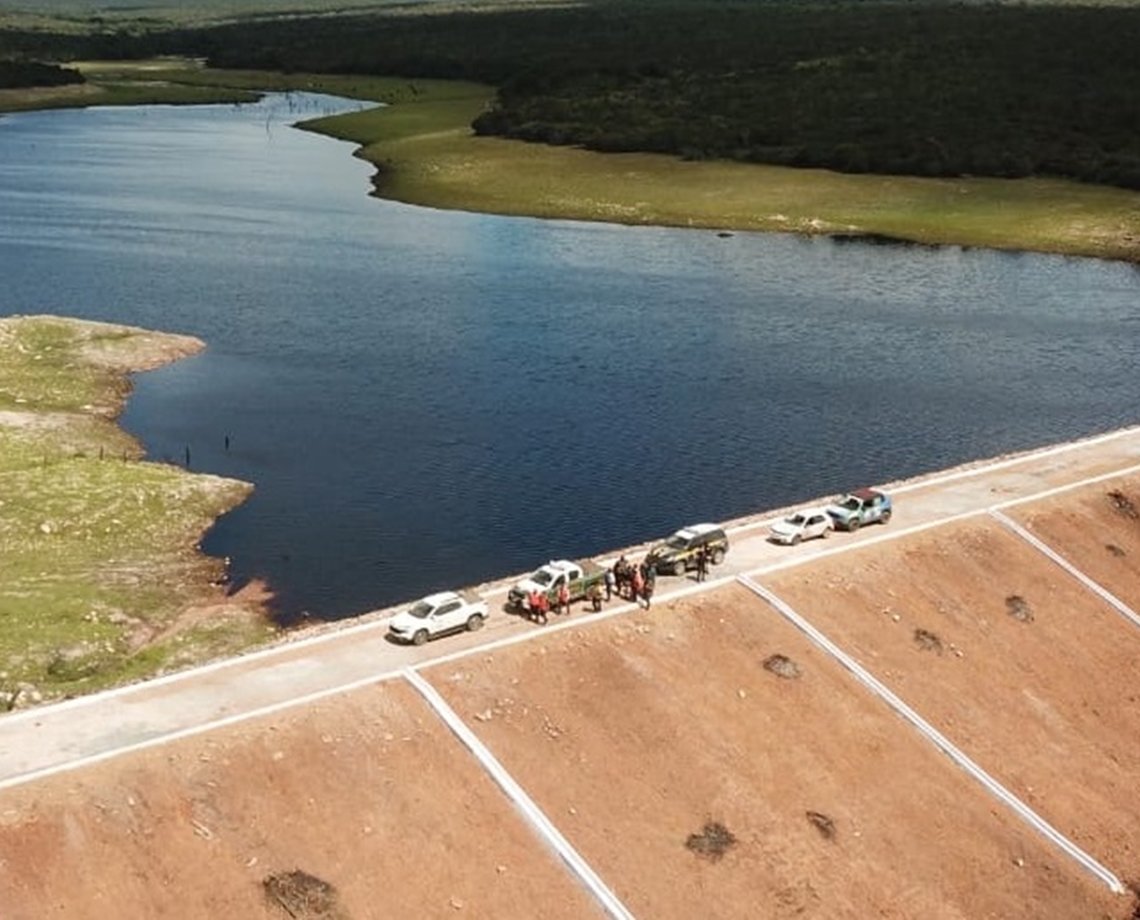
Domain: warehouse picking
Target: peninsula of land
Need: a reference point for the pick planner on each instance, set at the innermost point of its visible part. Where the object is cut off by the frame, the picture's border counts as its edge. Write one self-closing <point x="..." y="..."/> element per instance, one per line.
<point x="102" y="579"/>
<point x="420" y="139"/>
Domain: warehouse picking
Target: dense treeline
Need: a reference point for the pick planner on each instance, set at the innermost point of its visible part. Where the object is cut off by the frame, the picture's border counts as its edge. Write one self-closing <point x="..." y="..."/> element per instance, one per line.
<point x="926" y="89"/>
<point x="20" y="74"/>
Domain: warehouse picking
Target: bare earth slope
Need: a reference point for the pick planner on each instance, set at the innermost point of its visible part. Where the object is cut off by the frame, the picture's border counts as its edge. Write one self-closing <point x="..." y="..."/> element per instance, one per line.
<point x="635" y="735"/>
<point x="707" y="758"/>
<point x="369" y="794"/>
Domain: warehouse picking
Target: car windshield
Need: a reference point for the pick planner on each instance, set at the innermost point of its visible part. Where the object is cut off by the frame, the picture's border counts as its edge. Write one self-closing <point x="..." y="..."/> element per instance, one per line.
<point x="542" y="577"/>
<point x="677" y="542"/>
<point x="796" y="520"/>
<point x="420" y="610"/>
<point x="851" y="503"/>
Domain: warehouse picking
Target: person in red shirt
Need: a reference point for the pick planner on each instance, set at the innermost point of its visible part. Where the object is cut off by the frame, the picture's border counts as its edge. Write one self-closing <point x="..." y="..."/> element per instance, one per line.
<point x="564" y="598"/>
<point x="534" y="604"/>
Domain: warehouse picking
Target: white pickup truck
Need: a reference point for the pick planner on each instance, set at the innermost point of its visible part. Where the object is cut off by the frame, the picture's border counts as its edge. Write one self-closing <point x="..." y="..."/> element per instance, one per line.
<point x="578" y="576"/>
<point x="438" y="615"/>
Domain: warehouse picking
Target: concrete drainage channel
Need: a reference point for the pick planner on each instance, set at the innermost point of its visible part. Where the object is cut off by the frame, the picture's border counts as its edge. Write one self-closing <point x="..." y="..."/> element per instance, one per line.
<point x="534" y="815"/>
<point x="1103" y="593"/>
<point x="1023" y="811"/>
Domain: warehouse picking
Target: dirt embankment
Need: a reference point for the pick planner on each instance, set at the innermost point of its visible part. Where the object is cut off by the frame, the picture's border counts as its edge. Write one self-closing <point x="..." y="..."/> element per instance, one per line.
<point x="361" y="807"/>
<point x="705" y="758"/>
<point x="710" y="762"/>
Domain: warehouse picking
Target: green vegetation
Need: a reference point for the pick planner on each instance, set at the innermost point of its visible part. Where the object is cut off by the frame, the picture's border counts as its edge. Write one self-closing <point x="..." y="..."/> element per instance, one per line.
<point x="426" y="153"/>
<point x="899" y="119"/>
<point x="33" y="73"/>
<point x="99" y="570"/>
<point x="930" y="89"/>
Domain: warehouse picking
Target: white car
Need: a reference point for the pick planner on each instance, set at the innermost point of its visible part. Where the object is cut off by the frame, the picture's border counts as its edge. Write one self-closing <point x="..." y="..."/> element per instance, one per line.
<point x="803" y="525"/>
<point x="437" y="615"/>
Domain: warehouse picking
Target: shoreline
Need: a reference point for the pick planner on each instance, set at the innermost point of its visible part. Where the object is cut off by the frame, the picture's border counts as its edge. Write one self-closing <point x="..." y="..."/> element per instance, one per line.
<point x="757" y="520"/>
<point x="425" y="154"/>
<point x="104" y="581"/>
<point x="420" y="141"/>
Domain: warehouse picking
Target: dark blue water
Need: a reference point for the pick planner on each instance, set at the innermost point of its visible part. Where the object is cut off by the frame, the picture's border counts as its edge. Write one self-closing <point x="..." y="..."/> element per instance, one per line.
<point x="427" y="399"/>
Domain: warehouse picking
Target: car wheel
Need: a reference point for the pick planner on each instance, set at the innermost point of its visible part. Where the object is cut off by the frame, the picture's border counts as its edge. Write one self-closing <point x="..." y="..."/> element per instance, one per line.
<point x="824" y="533"/>
<point x="474" y="622"/>
<point x="853" y="525"/>
<point x="886" y="518"/>
<point x="797" y="540"/>
<point x="717" y="556"/>
<point x="678" y="568"/>
<point x="420" y="637"/>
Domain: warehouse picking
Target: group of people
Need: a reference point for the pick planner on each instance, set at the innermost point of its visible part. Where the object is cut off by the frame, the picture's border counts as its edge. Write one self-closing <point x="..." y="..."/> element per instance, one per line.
<point x="624" y="579"/>
<point x="539" y="607"/>
<point x="633" y="582"/>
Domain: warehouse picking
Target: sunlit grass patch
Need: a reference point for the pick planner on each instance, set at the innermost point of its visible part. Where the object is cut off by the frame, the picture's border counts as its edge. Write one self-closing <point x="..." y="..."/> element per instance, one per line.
<point x="98" y="558"/>
<point x="459" y="170"/>
<point x="426" y="153"/>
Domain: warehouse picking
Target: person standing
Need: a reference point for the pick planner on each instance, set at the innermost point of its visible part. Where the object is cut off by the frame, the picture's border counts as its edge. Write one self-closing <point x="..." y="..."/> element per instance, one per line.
<point x="637" y="585"/>
<point x="564" y="598"/>
<point x="650" y="584"/>
<point x="596" y="595"/>
<point x="611" y="582"/>
<point x="702" y="563"/>
<point x="538" y="606"/>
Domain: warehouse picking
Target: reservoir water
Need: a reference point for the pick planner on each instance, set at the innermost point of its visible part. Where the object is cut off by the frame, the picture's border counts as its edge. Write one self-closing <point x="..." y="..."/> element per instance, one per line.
<point x="429" y="399"/>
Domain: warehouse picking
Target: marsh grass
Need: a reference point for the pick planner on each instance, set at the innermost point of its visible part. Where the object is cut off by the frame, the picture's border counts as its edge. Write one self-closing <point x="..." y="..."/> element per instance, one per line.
<point x="457" y="170"/>
<point x="426" y="153"/>
<point x="98" y="560"/>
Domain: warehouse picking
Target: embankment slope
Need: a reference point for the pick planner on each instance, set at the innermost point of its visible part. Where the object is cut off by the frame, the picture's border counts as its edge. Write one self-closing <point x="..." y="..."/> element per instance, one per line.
<point x="705" y="757"/>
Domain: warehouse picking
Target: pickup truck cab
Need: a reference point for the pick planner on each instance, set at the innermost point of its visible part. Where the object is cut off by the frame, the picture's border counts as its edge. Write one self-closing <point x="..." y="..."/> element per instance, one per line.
<point x="547" y="579"/>
<point x="437" y="615"/>
<point x="864" y="506"/>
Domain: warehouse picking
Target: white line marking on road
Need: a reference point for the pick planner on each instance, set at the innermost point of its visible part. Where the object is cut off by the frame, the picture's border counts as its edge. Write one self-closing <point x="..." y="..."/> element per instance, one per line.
<point x="889" y="534"/>
<point x="47" y="711"/>
<point x="555" y="627"/>
<point x="380" y="624"/>
<point x="91" y="759"/>
<point x="1067" y="487"/>
<point x="940" y="741"/>
<point x="1014" y="461"/>
<point x="922" y="483"/>
<point x="515" y="792"/>
<point x="1064" y="563"/>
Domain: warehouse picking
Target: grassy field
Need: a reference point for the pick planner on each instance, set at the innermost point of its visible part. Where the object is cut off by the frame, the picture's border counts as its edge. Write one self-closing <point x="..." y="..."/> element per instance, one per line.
<point x="100" y="578"/>
<point x="426" y="154"/>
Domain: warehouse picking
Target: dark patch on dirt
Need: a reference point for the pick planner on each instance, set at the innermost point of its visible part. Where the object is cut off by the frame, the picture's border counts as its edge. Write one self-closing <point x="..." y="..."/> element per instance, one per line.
<point x="712" y="842"/>
<point x="303" y="896"/>
<point x="822" y="823"/>
<point x="1123" y="504"/>
<point x="927" y="641"/>
<point x="782" y="666"/>
<point x="1018" y="608"/>
<point x="1117" y="551"/>
<point x="1134" y="888"/>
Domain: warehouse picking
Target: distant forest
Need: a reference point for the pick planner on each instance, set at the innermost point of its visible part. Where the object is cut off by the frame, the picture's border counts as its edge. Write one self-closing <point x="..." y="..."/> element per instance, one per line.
<point x="18" y="74"/>
<point x="928" y="89"/>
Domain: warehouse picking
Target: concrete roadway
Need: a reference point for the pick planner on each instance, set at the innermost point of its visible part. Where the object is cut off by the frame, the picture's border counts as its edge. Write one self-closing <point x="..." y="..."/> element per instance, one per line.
<point x="307" y="666"/>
